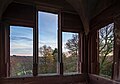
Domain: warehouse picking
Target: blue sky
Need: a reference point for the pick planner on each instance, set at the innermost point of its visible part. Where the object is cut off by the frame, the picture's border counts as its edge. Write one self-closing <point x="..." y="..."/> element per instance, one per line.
<point x="21" y="38"/>
<point x="48" y="26"/>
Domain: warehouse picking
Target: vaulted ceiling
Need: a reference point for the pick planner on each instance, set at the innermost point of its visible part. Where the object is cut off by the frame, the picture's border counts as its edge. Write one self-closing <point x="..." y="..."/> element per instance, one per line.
<point x="87" y="9"/>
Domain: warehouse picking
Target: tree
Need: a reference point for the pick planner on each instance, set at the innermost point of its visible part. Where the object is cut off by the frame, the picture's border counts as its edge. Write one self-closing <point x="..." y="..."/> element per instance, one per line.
<point x="72" y="44"/>
<point x="55" y="59"/>
<point x="106" y="37"/>
<point x="70" y="62"/>
<point x="48" y="59"/>
<point x="55" y="54"/>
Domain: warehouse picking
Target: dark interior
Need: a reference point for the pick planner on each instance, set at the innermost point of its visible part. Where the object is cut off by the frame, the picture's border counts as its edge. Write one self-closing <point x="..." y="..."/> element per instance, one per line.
<point x="85" y="17"/>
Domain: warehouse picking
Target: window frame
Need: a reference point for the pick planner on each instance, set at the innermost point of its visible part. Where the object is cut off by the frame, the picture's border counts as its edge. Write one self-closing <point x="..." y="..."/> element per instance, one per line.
<point x="79" y="56"/>
<point x="35" y="43"/>
<point x="113" y="49"/>
<point x="58" y="63"/>
<point x="8" y="56"/>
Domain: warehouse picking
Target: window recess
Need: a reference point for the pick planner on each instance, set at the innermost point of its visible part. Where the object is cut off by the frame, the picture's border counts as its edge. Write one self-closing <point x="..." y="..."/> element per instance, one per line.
<point x="106" y="49"/>
<point x="70" y="52"/>
<point x="21" y="51"/>
<point x="48" y="43"/>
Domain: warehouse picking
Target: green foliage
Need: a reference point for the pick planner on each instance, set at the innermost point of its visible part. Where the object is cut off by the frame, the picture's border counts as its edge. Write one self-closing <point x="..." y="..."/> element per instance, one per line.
<point x="21" y="68"/>
<point x="70" y="64"/>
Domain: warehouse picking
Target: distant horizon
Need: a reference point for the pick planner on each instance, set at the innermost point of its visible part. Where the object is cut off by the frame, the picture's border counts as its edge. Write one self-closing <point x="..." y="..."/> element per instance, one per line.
<point x="29" y="55"/>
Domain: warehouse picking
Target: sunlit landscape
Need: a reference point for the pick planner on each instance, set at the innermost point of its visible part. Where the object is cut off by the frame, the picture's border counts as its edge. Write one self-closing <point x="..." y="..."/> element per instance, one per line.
<point x="21" y="48"/>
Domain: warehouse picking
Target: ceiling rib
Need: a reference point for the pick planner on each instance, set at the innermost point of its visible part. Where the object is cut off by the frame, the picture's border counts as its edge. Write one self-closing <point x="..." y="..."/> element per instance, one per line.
<point x="3" y="5"/>
<point x="79" y="7"/>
